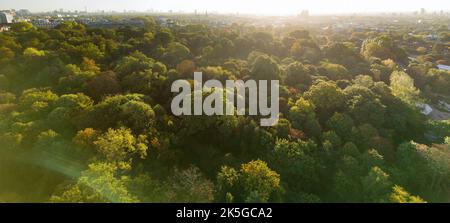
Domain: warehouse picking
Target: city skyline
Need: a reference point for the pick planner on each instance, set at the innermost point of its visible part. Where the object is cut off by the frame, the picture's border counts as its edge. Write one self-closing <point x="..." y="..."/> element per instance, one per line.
<point x="280" y="7"/>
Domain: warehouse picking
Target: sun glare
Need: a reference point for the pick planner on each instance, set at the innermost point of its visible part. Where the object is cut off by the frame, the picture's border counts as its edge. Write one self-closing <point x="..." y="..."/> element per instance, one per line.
<point x="266" y="7"/>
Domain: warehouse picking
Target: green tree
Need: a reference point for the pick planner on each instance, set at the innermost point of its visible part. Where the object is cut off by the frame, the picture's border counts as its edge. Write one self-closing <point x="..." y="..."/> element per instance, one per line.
<point x="399" y="195"/>
<point x="298" y="74"/>
<point x="265" y="68"/>
<point x="327" y="97"/>
<point x="99" y="183"/>
<point x="175" y="53"/>
<point x="334" y="71"/>
<point x="402" y="86"/>
<point x="255" y="181"/>
<point x="118" y="146"/>
<point x="21" y="27"/>
<point x="376" y="186"/>
<point x="103" y="85"/>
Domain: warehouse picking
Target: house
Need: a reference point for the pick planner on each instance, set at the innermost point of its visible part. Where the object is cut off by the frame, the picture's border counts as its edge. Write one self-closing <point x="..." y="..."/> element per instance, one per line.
<point x="6" y="18"/>
<point x="425" y="109"/>
<point x="4" y="28"/>
<point x="443" y="67"/>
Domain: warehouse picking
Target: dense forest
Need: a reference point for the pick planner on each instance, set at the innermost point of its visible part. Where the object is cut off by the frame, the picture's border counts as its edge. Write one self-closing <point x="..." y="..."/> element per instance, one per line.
<point x="85" y="115"/>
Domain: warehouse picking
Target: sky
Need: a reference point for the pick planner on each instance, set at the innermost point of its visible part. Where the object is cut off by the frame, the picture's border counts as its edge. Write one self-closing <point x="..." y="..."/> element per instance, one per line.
<point x="268" y="7"/>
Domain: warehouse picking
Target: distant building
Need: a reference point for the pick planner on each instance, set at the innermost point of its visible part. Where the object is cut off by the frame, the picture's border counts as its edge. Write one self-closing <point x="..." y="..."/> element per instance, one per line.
<point x="422" y="11"/>
<point x="45" y="23"/>
<point x="304" y="14"/>
<point x="425" y="109"/>
<point x="6" y="18"/>
<point x="23" y="12"/>
<point x="166" y="22"/>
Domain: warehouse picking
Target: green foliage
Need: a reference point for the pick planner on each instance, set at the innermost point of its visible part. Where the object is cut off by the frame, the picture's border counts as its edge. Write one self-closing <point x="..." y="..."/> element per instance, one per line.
<point x="32" y="52"/>
<point x="399" y="195"/>
<point x="103" y="85"/>
<point x="334" y="71"/>
<point x="254" y="182"/>
<point x="298" y="169"/>
<point x="21" y="27"/>
<point x="85" y="115"/>
<point x="402" y="86"/>
<point x="100" y="183"/>
<point x="298" y="74"/>
<point x="265" y="68"/>
<point x="302" y="115"/>
<point x="135" y="62"/>
<point x="119" y="146"/>
<point x="341" y="124"/>
<point x="439" y="129"/>
<point x="327" y="98"/>
<point x="376" y="186"/>
<point x="175" y="53"/>
<point x="382" y="47"/>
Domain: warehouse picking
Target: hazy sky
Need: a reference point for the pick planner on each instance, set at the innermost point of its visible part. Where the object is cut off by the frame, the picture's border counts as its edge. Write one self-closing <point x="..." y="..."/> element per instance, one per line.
<point x="277" y="7"/>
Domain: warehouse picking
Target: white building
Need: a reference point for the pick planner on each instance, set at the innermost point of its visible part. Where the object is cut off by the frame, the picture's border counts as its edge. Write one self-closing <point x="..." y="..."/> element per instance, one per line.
<point x="425" y="109"/>
<point x="443" y="67"/>
<point x="6" y="18"/>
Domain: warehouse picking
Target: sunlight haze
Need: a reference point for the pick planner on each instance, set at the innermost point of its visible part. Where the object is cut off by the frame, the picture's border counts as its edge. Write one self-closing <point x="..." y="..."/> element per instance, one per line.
<point x="279" y="7"/>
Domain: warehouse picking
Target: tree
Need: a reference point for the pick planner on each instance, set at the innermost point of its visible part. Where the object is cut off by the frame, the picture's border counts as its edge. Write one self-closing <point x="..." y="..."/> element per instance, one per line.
<point x="333" y="138"/>
<point x="299" y="170"/>
<point x="138" y="115"/>
<point x="21" y="27"/>
<point x="7" y="97"/>
<point x="423" y="169"/>
<point x="175" y="53"/>
<point x="438" y="80"/>
<point x="346" y="188"/>
<point x="6" y="55"/>
<point x="302" y="116"/>
<point x="255" y="181"/>
<point x="118" y="146"/>
<point x="399" y="195"/>
<point x="85" y="138"/>
<point x="190" y="186"/>
<point x="342" y="124"/>
<point x="342" y="53"/>
<point x="103" y="85"/>
<point x="33" y="52"/>
<point x="35" y="103"/>
<point x="440" y="130"/>
<point x="89" y="65"/>
<point x="402" y="86"/>
<point x="378" y="47"/>
<point x="376" y="186"/>
<point x="364" y="106"/>
<point x="90" y="50"/>
<point x="300" y="34"/>
<point x="163" y="37"/>
<point x="327" y="97"/>
<point x="265" y="68"/>
<point x="99" y="183"/>
<point x="372" y="158"/>
<point x="121" y="110"/>
<point x="298" y="74"/>
<point x="186" y="68"/>
<point x="334" y="71"/>
<point x="67" y="109"/>
<point x="134" y="63"/>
